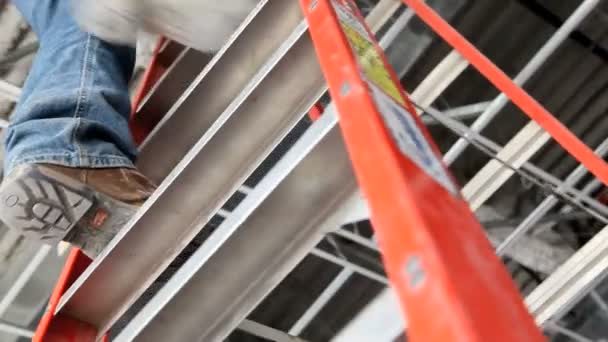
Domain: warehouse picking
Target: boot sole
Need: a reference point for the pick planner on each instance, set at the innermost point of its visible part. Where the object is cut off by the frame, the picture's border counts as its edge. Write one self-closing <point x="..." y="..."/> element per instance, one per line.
<point x="48" y="206"/>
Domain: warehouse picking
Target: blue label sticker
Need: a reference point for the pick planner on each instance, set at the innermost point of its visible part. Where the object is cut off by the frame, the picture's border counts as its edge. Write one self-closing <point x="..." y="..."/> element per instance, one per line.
<point x="410" y="140"/>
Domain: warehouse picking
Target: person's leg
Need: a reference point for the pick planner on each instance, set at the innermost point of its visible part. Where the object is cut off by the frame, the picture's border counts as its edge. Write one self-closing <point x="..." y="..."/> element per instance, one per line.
<point x="75" y="104"/>
<point x="69" y="153"/>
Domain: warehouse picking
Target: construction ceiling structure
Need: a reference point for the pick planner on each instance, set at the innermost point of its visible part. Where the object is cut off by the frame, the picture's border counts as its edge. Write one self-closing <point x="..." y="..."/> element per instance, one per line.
<point x="544" y="213"/>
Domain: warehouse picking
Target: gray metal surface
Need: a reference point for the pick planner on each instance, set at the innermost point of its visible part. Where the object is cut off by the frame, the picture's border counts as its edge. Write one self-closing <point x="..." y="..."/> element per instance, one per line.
<point x="330" y="291"/>
<point x="549" y="203"/>
<point x="572" y="335"/>
<point x="572" y="281"/>
<point x="380" y="321"/>
<point x="380" y="278"/>
<point x="266" y="332"/>
<point x="24" y="277"/>
<point x="272" y="230"/>
<point x="15" y="330"/>
<point x="9" y="91"/>
<point x="220" y="82"/>
<point x="529" y="139"/>
<point x="559" y="187"/>
<point x="178" y="77"/>
<point x="25" y="288"/>
<point x="528" y="71"/>
<point x="239" y="138"/>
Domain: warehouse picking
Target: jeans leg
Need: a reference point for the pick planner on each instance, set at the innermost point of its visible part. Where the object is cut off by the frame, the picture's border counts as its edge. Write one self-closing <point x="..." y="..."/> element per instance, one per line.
<point x="75" y="105"/>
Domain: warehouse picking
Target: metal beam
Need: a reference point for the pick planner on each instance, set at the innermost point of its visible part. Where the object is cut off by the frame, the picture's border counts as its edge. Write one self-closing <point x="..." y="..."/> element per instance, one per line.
<point x="230" y="71"/>
<point x="397" y="26"/>
<point x="168" y="89"/>
<point x="442" y="76"/>
<point x="547" y="204"/>
<point x="572" y="281"/>
<point x="599" y="211"/>
<point x="23" y="278"/>
<point x="573" y="335"/>
<point x="381" y="14"/>
<point x="592" y="186"/>
<point x="266" y="332"/>
<point x="272" y="230"/>
<point x="529" y="139"/>
<point x="328" y="293"/>
<point x="533" y="252"/>
<point x="599" y="301"/>
<point x="354" y="237"/>
<point x="347" y="264"/>
<point x="550" y="218"/>
<point x="15" y="330"/>
<point x="460" y="113"/>
<point x="494" y="174"/>
<point x="543" y="54"/>
<point x="176" y="300"/>
<point x="9" y="91"/>
<point x="381" y="321"/>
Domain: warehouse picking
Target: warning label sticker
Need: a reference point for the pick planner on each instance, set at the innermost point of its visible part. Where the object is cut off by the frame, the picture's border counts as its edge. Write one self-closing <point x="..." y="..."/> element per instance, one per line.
<point x="410" y="140"/>
<point x="367" y="55"/>
<point x="389" y="101"/>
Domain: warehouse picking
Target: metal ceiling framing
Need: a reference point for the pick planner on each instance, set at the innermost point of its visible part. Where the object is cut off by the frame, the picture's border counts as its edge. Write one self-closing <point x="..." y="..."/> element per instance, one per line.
<point x="327" y="198"/>
<point x="543" y="54"/>
<point x="15" y="330"/>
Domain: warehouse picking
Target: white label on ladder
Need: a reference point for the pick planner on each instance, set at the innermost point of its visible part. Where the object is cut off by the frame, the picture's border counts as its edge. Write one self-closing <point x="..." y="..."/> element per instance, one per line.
<point x="410" y="140"/>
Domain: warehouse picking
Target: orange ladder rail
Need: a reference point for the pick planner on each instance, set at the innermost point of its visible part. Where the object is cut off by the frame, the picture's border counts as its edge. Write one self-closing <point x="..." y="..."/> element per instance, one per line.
<point x="562" y="135"/>
<point x="448" y="279"/>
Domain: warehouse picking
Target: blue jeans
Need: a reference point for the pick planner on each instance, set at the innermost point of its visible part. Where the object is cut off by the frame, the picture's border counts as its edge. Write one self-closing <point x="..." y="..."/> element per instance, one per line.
<point x="74" y="107"/>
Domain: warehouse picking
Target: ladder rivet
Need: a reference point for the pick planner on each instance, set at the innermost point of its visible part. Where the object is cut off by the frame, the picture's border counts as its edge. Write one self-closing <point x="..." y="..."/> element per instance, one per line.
<point x="312" y="6"/>
<point x="345" y="89"/>
<point x="414" y="272"/>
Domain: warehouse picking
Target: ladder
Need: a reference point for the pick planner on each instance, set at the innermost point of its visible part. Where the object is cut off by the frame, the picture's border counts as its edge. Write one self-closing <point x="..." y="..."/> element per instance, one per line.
<point x="205" y="124"/>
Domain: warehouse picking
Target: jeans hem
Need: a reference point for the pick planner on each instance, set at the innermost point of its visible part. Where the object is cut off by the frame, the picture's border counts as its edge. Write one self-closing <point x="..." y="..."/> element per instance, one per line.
<point x="81" y="160"/>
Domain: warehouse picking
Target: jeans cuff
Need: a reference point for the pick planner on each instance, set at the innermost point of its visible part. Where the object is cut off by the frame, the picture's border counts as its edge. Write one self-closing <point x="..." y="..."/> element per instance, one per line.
<point x="73" y="160"/>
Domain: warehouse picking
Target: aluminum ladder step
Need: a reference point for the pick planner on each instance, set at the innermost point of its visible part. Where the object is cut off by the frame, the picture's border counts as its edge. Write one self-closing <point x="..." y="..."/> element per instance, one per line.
<point x="233" y="114"/>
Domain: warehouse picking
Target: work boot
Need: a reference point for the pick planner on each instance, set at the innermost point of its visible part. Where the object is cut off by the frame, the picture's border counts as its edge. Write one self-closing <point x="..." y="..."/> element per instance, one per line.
<point x="85" y="207"/>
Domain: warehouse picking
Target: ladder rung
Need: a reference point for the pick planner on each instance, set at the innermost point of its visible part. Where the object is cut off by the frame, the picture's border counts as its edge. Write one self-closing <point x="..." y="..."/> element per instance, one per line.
<point x="238" y="135"/>
<point x="247" y="256"/>
<point x="242" y="104"/>
<point x="221" y="83"/>
<point x="179" y="75"/>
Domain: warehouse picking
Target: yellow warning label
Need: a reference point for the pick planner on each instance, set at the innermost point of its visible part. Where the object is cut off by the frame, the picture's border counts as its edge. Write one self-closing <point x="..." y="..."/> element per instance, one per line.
<point x="367" y="54"/>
